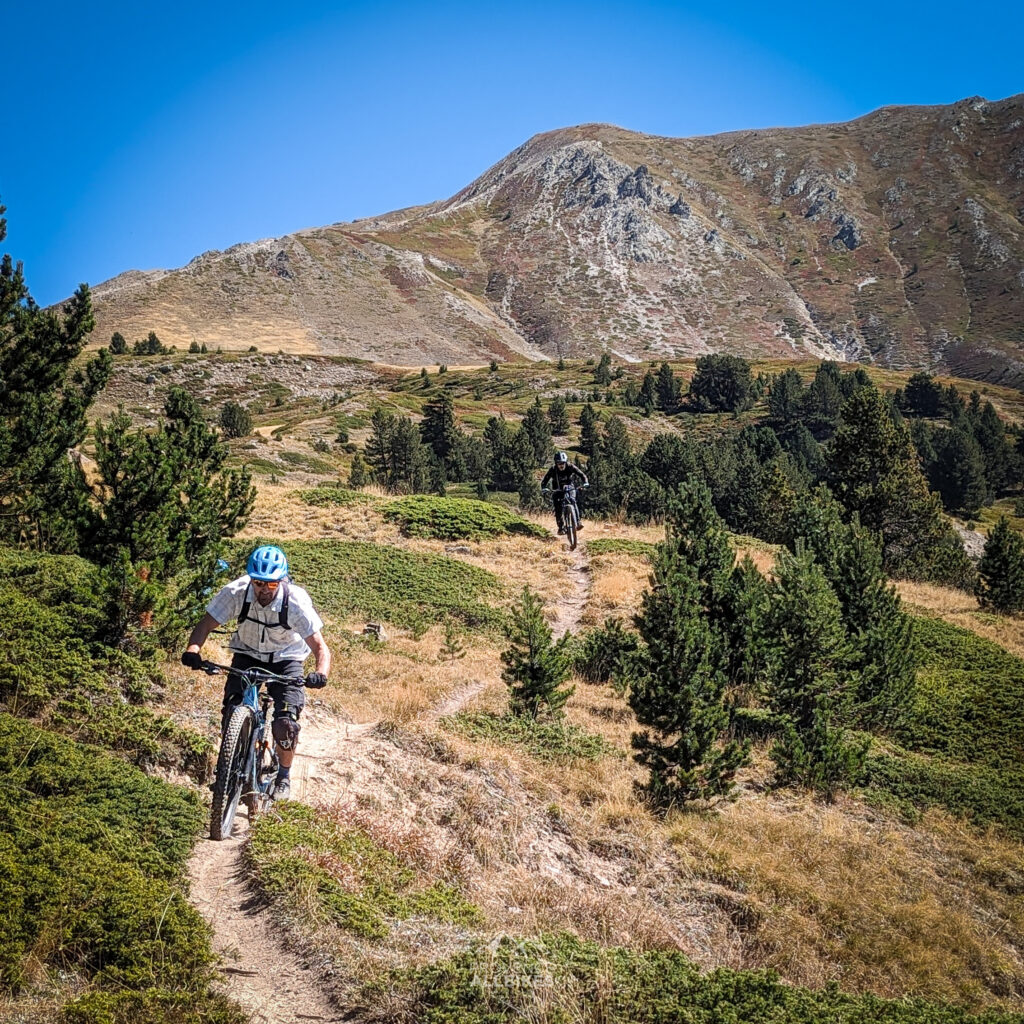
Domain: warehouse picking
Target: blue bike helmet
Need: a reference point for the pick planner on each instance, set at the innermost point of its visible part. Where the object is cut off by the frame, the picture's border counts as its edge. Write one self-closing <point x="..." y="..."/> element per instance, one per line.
<point x="267" y="563"/>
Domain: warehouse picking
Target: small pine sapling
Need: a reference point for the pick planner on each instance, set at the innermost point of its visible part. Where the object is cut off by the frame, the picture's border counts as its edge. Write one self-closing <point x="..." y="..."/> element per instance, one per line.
<point x="452" y="648"/>
<point x="536" y="665"/>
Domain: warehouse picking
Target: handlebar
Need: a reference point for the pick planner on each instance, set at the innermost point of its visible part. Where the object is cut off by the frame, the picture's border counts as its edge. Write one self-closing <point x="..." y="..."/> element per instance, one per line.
<point x="211" y="668"/>
<point x="561" y="490"/>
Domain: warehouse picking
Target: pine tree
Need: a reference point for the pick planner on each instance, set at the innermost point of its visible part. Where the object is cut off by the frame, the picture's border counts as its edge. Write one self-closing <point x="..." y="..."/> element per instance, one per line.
<point x="824" y="398"/>
<point x="438" y="482"/>
<point x="43" y="406"/>
<point x="647" y="400"/>
<point x="536" y="665"/>
<point x="522" y="463"/>
<point x="603" y="372"/>
<point x="874" y="472"/>
<point x="669" y="459"/>
<point x="958" y="470"/>
<point x="610" y="468"/>
<point x="378" y="445"/>
<point x="810" y="681"/>
<point x="165" y="505"/>
<point x="561" y="364"/>
<point x="235" y="420"/>
<point x="1001" y="466"/>
<point x="358" y="475"/>
<point x="882" y="655"/>
<point x="668" y="389"/>
<point x="498" y="439"/>
<point x="558" y="414"/>
<point x="1001" y="570"/>
<point x="538" y="429"/>
<point x="396" y="454"/>
<point x="722" y="384"/>
<point x="923" y="396"/>
<point x="785" y="397"/>
<point x="441" y="434"/>
<point x="588" y="429"/>
<point x="678" y="678"/>
<point x="118" y="346"/>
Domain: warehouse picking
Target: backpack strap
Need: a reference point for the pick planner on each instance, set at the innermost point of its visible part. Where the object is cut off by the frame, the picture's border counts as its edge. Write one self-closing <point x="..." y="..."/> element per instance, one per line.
<point x="282" y="619"/>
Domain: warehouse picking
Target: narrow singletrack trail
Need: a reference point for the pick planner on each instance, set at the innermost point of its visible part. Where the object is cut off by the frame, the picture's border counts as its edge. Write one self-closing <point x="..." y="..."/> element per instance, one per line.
<point x="569" y="611"/>
<point x="336" y="762"/>
<point x="270" y="983"/>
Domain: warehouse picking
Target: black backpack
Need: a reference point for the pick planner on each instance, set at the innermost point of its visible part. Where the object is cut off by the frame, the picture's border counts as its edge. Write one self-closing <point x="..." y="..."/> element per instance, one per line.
<point x="282" y="620"/>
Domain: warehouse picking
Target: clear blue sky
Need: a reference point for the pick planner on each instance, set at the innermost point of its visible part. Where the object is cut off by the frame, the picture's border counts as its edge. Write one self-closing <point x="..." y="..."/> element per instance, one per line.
<point x="136" y="135"/>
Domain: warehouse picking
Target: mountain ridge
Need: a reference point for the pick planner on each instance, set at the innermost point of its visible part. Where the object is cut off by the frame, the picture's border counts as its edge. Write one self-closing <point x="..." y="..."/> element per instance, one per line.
<point x="896" y="238"/>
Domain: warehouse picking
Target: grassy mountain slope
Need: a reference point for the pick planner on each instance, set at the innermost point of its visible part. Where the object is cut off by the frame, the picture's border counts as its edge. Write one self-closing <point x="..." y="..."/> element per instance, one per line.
<point x="896" y="238"/>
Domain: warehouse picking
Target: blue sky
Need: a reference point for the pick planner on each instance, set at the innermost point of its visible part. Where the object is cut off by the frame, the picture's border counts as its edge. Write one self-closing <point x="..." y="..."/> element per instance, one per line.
<point x="137" y="135"/>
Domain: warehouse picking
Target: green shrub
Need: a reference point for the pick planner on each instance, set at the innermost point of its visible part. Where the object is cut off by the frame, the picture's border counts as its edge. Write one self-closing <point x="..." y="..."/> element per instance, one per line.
<point x="422" y="515"/>
<point x="598" y="653"/>
<point x="326" y="496"/>
<point x="151" y="1006"/>
<point x="983" y="795"/>
<point x="91" y="857"/>
<point x="331" y="870"/>
<point x="970" y="698"/>
<point x="55" y="669"/>
<point x="347" y="578"/>
<point x="555" y="741"/>
<point x="963" y="737"/>
<point x="611" y="546"/>
<point x="556" y="978"/>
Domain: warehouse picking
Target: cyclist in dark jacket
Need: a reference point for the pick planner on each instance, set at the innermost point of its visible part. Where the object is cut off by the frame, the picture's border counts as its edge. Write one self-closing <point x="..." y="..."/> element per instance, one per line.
<point x="561" y="473"/>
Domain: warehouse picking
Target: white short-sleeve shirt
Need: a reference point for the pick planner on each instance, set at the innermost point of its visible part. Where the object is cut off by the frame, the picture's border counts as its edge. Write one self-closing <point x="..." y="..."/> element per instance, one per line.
<point x="261" y="635"/>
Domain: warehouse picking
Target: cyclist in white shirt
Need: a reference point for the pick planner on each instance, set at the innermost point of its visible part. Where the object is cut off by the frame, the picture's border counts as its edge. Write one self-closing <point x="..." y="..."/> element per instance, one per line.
<point x="277" y="627"/>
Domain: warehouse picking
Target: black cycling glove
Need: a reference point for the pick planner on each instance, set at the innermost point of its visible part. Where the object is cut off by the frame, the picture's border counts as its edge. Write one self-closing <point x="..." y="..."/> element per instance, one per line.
<point x="316" y="680"/>
<point x="192" y="660"/>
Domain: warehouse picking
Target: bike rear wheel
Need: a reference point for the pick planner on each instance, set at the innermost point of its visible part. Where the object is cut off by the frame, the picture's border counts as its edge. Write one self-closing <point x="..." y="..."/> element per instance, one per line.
<point x="236" y="749"/>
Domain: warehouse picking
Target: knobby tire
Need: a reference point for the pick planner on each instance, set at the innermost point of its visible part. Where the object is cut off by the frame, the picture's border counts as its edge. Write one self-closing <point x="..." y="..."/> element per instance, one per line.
<point x="570" y="528"/>
<point x="232" y="765"/>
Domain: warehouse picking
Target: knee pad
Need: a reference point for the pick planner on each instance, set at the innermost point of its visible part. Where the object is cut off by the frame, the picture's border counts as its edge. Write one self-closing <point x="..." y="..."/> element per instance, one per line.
<point x="285" y="730"/>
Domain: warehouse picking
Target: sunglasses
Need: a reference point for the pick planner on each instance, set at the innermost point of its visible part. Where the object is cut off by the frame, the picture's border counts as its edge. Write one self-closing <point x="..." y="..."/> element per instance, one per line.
<point x="266" y="584"/>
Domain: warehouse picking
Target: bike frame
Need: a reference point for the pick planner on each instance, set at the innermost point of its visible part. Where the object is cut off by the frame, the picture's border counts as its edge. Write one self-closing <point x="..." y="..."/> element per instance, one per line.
<point x="252" y="779"/>
<point x="568" y="493"/>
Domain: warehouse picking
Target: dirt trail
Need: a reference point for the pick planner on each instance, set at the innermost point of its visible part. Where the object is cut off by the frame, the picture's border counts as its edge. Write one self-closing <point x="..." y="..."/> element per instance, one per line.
<point x="336" y="761"/>
<point x="569" y="610"/>
<point x="270" y="983"/>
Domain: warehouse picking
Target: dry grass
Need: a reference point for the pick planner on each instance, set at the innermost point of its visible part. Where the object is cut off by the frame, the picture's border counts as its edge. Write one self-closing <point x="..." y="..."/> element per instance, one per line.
<point x="962" y="609"/>
<point x="840" y="894"/>
<point x="819" y="893"/>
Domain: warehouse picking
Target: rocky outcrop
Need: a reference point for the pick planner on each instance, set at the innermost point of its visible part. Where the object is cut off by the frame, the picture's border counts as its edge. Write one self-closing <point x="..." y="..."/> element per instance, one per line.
<point x="897" y="238"/>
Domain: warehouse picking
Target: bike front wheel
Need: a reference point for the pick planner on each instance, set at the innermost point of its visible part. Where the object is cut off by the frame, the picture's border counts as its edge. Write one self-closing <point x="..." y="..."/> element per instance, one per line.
<point x="570" y="528"/>
<point x="236" y="749"/>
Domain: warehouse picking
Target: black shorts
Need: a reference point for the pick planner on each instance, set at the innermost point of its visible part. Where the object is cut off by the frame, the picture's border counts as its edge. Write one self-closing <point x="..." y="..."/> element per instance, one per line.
<point x="286" y="696"/>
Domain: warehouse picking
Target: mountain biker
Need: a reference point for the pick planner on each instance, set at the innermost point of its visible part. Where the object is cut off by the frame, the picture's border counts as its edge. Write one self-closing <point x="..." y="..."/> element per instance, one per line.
<point x="560" y="474"/>
<point x="276" y="628"/>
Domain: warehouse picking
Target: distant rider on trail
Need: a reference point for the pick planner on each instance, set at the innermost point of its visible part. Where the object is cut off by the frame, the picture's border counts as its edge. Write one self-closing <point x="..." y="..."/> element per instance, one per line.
<point x="277" y="627"/>
<point x="560" y="474"/>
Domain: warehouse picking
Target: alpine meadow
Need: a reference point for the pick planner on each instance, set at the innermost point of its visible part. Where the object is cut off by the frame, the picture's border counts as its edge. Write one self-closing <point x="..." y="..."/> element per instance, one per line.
<point x="749" y="748"/>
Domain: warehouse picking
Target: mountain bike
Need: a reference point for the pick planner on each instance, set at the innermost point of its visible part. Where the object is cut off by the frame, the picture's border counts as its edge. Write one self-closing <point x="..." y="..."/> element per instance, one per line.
<point x="247" y="763"/>
<point x="570" y="511"/>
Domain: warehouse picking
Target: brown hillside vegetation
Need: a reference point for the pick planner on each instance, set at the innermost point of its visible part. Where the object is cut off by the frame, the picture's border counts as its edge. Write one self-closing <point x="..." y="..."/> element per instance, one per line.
<point x="895" y="238"/>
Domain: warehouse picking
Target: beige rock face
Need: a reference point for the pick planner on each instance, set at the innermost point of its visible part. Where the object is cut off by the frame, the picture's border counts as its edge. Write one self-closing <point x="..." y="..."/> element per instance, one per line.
<point x="897" y="238"/>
